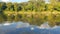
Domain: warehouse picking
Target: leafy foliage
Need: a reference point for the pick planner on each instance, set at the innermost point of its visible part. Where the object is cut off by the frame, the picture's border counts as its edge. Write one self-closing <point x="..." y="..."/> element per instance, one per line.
<point x="34" y="11"/>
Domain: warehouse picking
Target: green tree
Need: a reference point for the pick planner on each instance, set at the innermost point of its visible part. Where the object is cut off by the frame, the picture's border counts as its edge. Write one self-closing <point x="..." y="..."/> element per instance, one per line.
<point x="8" y="6"/>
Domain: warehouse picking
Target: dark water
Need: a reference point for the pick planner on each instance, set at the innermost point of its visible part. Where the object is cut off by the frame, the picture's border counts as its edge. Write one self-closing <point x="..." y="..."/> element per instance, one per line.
<point x="26" y="28"/>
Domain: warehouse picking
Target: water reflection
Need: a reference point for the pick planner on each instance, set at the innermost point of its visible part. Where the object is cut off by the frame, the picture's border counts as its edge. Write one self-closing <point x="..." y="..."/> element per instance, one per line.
<point x="26" y="28"/>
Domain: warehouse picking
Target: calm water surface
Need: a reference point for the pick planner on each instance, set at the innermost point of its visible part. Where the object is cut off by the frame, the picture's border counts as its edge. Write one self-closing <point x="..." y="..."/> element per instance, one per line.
<point x="26" y="28"/>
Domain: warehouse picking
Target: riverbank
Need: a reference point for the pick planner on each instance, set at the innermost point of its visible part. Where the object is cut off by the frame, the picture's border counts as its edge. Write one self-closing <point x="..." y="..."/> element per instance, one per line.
<point x="32" y="12"/>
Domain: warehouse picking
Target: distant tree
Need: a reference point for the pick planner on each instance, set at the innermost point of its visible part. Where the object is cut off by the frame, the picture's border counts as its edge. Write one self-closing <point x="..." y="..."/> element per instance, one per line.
<point x="8" y="6"/>
<point x="16" y="6"/>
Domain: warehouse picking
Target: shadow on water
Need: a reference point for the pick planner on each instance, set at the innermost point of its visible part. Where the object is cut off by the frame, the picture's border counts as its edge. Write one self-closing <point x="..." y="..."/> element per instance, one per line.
<point x="26" y="28"/>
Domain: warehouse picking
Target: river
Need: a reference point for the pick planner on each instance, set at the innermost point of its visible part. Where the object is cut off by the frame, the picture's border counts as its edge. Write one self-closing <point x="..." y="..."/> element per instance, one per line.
<point x="26" y="28"/>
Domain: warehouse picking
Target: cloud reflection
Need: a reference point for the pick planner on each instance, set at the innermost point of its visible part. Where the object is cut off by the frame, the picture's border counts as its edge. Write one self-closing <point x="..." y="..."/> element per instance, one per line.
<point x="22" y="25"/>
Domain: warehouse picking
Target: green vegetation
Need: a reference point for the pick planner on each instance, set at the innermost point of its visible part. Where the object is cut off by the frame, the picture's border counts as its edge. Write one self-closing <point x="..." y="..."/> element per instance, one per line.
<point x="34" y="12"/>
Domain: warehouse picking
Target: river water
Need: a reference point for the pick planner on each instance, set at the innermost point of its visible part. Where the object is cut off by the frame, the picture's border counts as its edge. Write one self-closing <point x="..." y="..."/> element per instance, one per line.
<point x="26" y="28"/>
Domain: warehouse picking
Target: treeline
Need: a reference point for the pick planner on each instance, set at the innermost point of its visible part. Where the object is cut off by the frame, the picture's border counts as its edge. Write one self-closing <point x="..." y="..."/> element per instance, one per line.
<point x="34" y="12"/>
<point x="31" y="5"/>
<point x="25" y="6"/>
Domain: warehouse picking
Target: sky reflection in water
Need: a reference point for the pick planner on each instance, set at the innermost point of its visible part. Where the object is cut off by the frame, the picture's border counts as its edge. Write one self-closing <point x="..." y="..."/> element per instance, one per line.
<point x="26" y="28"/>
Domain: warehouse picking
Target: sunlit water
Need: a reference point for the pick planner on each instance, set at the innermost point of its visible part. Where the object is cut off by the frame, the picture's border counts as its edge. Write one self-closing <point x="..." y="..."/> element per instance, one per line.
<point x="26" y="28"/>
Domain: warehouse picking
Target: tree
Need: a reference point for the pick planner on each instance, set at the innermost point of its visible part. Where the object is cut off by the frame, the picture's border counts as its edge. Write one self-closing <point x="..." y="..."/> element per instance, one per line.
<point x="9" y="6"/>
